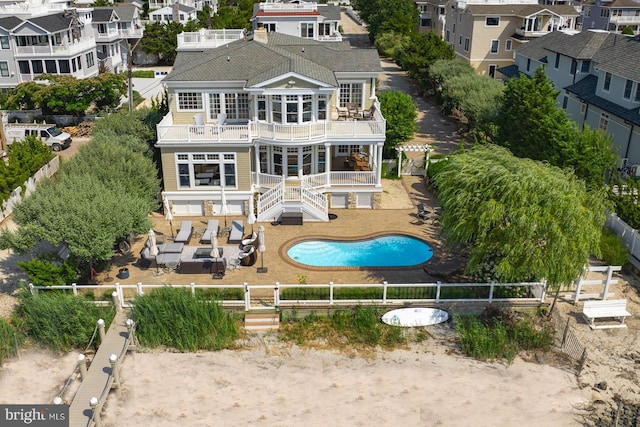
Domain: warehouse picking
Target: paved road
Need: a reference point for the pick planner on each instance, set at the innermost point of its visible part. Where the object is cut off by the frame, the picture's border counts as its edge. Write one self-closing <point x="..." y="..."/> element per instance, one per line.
<point x="434" y="128"/>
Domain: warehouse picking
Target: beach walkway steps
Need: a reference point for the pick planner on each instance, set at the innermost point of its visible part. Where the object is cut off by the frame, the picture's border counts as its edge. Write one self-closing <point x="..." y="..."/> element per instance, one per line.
<point x="99" y="380"/>
<point x="262" y="320"/>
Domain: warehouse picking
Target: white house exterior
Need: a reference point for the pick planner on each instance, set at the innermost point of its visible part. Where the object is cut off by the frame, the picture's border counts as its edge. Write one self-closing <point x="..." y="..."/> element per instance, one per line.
<point x="308" y="20"/>
<point x="185" y="14"/>
<point x="261" y="119"/>
<point x="53" y="44"/>
<point x="599" y="80"/>
<point x="114" y="28"/>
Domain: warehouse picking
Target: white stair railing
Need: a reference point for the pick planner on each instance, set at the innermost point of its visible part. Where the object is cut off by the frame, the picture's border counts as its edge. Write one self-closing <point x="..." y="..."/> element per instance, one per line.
<point x="270" y="199"/>
<point x="315" y="199"/>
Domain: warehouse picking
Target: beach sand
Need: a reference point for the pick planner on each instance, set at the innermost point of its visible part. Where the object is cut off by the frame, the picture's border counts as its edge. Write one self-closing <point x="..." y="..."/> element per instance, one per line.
<point x="274" y="384"/>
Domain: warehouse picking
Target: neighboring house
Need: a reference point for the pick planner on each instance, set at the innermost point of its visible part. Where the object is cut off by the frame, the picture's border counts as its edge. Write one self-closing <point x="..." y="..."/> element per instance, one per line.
<point x="29" y="8"/>
<point x="308" y="20"/>
<point x="53" y="44"/>
<point x="432" y="16"/>
<point x="114" y="29"/>
<point x="598" y="78"/>
<point x="9" y="76"/>
<point x="485" y="35"/>
<point x="196" y="4"/>
<point x="611" y="15"/>
<point x="166" y="14"/>
<point x="266" y="118"/>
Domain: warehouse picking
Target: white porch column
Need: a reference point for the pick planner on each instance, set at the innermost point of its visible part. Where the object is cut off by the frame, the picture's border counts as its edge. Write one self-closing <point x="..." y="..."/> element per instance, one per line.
<point x="379" y="150"/>
<point x="257" y="160"/>
<point x="373" y="88"/>
<point x="327" y="163"/>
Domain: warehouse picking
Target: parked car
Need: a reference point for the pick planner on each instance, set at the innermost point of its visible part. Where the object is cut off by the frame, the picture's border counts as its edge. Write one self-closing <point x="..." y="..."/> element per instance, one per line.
<point x="50" y="135"/>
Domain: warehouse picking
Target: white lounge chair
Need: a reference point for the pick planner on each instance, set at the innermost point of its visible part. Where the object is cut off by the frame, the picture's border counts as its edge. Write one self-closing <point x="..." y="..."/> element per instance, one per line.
<point x="184" y="234"/>
<point x="237" y="231"/>
<point x="211" y="230"/>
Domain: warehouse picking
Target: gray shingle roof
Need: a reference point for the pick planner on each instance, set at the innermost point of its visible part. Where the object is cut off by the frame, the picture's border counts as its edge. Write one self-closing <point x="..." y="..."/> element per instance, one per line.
<point x="619" y="55"/>
<point x="103" y="14"/>
<point x="256" y="62"/>
<point x="52" y="23"/>
<point x="579" y="46"/>
<point x="537" y="48"/>
<point x="330" y="12"/>
<point x="125" y="11"/>
<point x="585" y="89"/>
<point x="10" y="22"/>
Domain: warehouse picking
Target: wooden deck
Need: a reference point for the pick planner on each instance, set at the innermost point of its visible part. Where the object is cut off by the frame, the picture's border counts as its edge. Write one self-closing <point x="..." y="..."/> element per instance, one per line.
<point x="99" y="379"/>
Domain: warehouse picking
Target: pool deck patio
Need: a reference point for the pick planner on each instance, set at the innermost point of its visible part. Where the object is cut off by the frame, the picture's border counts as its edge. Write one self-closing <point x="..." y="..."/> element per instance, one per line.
<point x="397" y="216"/>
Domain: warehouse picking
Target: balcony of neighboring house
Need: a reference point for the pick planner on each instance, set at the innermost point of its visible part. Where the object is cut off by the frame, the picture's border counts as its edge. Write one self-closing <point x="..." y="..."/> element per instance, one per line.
<point x="353" y="125"/>
<point x="131" y="33"/>
<point x="42" y="46"/>
<point x="208" y="39"/>
<point x="335" y="36"/>
<point x="627" y="19"/>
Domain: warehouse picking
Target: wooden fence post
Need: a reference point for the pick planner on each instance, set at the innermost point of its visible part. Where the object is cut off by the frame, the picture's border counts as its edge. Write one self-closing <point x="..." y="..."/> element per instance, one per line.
<point x="566" y="332"/>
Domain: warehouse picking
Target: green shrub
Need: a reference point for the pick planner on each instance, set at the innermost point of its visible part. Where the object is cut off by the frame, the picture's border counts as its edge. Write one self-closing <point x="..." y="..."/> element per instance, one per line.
<point x="501" y="335"/>
<point x="613" y="249"/>
<point x="8" y="336"/>
<point x="42" y="272"/>
<point x="60" y="321"/>
<point x="220" y="294"/>
<point x="173" y="317"/>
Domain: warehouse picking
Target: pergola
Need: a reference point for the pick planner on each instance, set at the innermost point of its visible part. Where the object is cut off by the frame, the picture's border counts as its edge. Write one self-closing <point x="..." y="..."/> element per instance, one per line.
<point x="413" y="148"/>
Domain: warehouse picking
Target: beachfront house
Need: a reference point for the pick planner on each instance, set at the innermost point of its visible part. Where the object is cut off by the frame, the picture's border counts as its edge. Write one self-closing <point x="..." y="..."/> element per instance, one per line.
<point x="272" y="122"/>
<point x="598" y="80"/>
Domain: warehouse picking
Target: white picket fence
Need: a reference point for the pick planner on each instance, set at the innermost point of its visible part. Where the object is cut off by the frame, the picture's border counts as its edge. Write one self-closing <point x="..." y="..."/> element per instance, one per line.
<point x="277" y="298"/>
<point x="16" y="196"/>
<point x="628" y="234"/>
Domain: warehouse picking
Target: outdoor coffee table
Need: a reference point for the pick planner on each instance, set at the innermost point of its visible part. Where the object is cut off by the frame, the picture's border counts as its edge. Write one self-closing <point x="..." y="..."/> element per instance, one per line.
<point x="234" y="264"/>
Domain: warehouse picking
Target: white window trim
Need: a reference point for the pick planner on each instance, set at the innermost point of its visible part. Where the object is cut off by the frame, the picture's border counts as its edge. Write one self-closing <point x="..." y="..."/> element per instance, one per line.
<point x="508" y="45"/>
<point x="488" y="17"/>
<point x="191" y="161"/>
<point x="491" y="52"/>
<point x="202" y="101"/>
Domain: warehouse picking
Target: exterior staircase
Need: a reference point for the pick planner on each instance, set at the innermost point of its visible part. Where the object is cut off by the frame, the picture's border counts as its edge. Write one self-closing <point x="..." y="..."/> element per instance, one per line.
<point x="285" y="197"/>
<point x="262" y="320"/>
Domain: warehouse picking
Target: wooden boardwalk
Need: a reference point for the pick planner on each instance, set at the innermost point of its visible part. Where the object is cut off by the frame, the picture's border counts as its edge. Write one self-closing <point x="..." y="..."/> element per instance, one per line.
<point x="99" y="379"/>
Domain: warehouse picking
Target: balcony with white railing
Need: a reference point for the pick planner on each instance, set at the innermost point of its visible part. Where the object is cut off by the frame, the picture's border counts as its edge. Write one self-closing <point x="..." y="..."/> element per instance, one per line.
<point x="331" y="130"/>
<point x="334" y="37"/>
<point x="625" y="19"/>
<point x="66" y="49"/>
<point x="208" y="39"/>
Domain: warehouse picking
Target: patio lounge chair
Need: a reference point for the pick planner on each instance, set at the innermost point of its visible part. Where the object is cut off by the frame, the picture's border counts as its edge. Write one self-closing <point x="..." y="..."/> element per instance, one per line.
<point x="211" y="230"/>
<point x="184" y="235"/>
<point x="237" y="231"/>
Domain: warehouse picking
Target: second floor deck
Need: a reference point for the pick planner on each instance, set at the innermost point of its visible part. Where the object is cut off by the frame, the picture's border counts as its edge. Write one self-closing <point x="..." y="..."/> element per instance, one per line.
<point x="372" y="130"/>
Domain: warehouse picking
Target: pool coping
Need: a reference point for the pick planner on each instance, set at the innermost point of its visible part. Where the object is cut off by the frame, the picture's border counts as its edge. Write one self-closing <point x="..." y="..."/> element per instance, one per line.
<point x="282" y="251"/>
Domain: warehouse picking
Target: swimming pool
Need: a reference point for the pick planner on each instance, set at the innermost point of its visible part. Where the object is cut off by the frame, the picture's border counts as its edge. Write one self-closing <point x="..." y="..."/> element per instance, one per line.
<point x="395" y="250"/>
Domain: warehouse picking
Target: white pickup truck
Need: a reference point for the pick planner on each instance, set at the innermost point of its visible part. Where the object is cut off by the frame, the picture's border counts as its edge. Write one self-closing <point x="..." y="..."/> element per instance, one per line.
<point x="50" y="135"/>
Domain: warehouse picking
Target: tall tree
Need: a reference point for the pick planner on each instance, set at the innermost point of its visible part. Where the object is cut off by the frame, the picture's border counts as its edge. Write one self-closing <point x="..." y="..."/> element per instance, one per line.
<point x="161" y="38"/>
<point x="399" y="16"/>
<point x="529" y="121"/>
<point x="420" y="52"/>
<point x="535" y="221"/>
<point x="400" y="112"/>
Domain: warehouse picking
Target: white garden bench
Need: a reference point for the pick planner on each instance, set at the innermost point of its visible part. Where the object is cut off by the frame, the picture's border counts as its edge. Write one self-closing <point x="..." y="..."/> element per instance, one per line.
<point x="616" y="308"/>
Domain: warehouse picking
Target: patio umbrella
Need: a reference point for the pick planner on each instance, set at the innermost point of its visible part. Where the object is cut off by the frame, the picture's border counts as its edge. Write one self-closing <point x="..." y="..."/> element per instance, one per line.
<point x="153" y="246"/>
<point x="251" y="218"/>
<point x="168" y="215"/>
<point x="223" y="202"/>
<point x="261" y="249"/>
<point x="215" y="252"/>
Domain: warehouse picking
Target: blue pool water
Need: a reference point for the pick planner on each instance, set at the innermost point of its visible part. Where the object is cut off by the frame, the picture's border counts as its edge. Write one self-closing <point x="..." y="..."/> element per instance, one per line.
<point x="384" y="251"/>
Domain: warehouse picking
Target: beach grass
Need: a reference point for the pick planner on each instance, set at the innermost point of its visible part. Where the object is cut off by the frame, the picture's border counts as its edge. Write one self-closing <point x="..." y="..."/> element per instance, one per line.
<point x="172" y="317"/>
<point x="8" y="337"/>
<point x="501" y="335"/>
<point x="59" y="320"/>
<point x="359" y="328"/>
